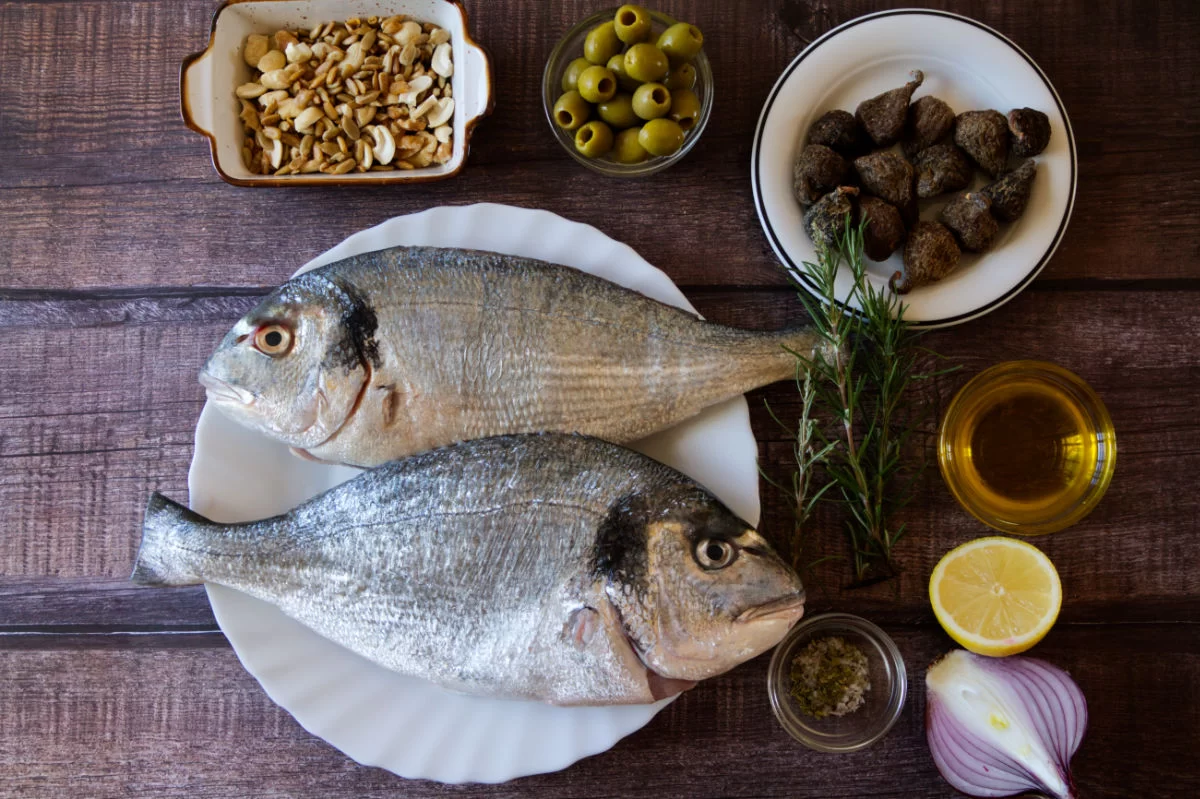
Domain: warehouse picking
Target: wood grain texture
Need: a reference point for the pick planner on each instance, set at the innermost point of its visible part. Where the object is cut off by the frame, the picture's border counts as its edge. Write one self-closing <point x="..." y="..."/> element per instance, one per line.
<point x="88" y="186"/>
<point x="176" y="716"/>
<point x="76" y="466"/>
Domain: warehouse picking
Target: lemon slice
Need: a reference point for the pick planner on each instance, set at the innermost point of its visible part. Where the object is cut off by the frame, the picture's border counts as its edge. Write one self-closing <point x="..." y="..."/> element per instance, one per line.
<point x="995" y="596"/>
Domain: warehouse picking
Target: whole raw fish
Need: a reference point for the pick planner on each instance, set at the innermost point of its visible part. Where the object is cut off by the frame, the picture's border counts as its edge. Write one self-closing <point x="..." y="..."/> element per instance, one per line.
<point x="398" y="351"/>
<point x="552" y="567"/>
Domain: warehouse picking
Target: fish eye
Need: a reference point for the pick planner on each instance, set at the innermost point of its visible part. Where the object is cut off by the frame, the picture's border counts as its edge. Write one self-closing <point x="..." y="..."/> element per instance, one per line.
<point x="273" y="339"/>
<point x="714" y="554"/>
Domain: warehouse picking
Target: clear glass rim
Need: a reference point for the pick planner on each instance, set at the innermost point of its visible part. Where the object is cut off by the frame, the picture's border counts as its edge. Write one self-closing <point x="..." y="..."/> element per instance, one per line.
<point x="778" y="674"/>
<point x="1088" y="401"/>
<point x="550" y="85"/>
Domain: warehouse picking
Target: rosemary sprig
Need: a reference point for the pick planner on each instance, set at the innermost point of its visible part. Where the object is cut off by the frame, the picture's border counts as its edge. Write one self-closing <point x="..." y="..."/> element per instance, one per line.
<point x="861" y="379"/>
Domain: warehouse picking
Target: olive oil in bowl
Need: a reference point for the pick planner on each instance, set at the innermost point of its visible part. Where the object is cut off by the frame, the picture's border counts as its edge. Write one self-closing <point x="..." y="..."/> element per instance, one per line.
<point x="1027" y="447"/>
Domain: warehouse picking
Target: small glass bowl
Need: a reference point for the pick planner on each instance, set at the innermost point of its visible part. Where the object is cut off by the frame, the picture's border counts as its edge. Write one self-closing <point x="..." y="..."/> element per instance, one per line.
<point x="1055" y="513"/>
<point x="569" y="48"/>
<point x="884" y="701"/>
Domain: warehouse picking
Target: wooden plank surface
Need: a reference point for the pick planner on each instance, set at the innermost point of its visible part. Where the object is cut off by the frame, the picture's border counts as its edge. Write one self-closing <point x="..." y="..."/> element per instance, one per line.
<point x="89" y="184"/>
<point x="123" y="258"/>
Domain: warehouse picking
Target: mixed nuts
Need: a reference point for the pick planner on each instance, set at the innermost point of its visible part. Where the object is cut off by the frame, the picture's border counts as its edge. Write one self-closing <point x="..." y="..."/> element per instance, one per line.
<point x="362" y="95"/>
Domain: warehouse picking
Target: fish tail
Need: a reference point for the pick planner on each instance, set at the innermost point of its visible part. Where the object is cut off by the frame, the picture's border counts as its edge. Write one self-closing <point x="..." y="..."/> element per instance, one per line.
<point x="797" y="348"/>
<point x="166" y="529"/>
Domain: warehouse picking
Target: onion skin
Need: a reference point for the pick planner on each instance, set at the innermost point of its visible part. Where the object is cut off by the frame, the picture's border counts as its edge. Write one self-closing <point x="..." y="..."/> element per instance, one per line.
<point x="1003" y="726"/>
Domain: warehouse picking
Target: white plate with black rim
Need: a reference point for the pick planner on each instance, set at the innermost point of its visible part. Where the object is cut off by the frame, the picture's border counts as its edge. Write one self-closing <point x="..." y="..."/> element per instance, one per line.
<point x="378" y="717"/>
<point x="970" y="66"/>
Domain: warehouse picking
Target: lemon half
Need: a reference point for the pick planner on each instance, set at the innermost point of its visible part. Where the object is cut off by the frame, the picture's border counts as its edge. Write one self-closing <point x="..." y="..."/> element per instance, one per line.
<point x="995" y="596"/>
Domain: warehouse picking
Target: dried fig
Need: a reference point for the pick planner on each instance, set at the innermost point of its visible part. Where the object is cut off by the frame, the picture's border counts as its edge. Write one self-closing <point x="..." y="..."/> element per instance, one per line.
<point x="825" y="220"/>
<point x="1030" y="130"/>
<point x="883" y="116"/>
<point x="1010" y="194"/>
<point x="930" y="254"/>
<point x="889" y="176"/>
<point x="839" y="131"/>
<point x="818" y="171"/>
<point x="941" y="168"/>
<point x="970" y="220"/>
<point x="929" y="121"/>
<point x="883" y="230"/>
<point x="983" y="135"/>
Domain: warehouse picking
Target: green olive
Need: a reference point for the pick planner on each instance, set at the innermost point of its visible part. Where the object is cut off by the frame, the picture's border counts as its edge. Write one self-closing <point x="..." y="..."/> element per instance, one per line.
<point x="616" y="65"/>
<point x="682" y="77"/>
<point x="571" y="75"/>
<point x="618" y="111"/>
<point x="627" y="149"/>
<point x="681" y="42"/>
<point x="594" y="139"/>
<point x="645" y="62"/>
<point x="632" y="24"/>
<point x="601" y="44"/>
<point x="685" y="108"/>
<point x="571" y="111"/>
<point x="661" y="137"/>
<point x="651" y="100"/>
<point x="597" y="84"/>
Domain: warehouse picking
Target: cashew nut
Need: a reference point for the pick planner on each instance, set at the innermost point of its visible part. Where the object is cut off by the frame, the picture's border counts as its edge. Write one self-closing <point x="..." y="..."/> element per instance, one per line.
<point x="442" y="64"/>
<point x="443" y="133"/>
<point x="415" y="87"/>
<point x="385" y="144"/>
<point x="276" y="154"/>
<point x="424" y="108"/>
<point x="441" y="115"/>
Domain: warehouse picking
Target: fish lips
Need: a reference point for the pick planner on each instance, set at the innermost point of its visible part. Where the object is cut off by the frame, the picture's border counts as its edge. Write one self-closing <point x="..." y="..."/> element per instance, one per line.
<point x="221" y="392"/>
<point x="790" y="608"/>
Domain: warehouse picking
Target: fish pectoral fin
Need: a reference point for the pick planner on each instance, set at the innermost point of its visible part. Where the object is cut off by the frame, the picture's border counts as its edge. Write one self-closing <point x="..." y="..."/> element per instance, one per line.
<point x="661" y="687"/>
<point x="581" y="626"/>
<point x="304" y="454"/>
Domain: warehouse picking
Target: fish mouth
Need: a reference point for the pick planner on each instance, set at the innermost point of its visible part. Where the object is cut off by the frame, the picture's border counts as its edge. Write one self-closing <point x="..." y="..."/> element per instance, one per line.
<point x="782" y="608"/>
<point x="220" y="391"/>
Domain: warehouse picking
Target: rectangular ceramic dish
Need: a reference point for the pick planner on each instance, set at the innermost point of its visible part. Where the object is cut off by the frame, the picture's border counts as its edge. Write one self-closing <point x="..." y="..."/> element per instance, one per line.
<point x="207" y="81"/>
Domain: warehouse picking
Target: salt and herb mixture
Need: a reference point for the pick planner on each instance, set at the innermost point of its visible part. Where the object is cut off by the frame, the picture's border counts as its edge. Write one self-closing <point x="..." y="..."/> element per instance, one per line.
<point x="830" y="678"/>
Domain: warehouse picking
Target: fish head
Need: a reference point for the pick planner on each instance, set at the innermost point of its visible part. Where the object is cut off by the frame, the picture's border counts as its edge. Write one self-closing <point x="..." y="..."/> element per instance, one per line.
<point x="295" y="367"/>
<point x="706" y="593"/>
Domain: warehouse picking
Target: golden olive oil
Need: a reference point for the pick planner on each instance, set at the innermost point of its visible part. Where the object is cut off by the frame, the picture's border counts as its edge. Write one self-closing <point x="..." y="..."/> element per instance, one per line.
<point x="1023" y="451"/>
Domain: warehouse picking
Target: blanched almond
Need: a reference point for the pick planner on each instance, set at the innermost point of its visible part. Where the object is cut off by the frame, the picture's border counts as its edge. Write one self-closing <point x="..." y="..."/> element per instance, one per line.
<point x="307" y="118"/>
<point x="255" y="48"/>
<point x="272" y="61"/>
<point x="248" y="91"/>
<point x="298" y="53"/>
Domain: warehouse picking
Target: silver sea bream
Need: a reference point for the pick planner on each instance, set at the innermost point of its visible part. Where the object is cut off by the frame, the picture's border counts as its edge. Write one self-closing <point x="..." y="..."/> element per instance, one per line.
<point x="394" y="352"/>
<point x="553" y="567"/>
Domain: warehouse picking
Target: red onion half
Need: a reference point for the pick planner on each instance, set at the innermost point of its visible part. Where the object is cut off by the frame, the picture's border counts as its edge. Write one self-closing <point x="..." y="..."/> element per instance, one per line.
<point x="1003" y="726"/>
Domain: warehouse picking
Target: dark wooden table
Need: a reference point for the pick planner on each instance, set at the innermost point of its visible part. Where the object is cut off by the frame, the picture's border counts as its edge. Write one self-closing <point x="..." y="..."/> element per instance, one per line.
<point x="123" y="258"/>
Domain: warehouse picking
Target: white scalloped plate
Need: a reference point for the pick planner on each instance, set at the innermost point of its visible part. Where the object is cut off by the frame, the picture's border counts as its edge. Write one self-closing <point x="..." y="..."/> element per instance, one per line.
<point x="968" y="65"/>
<point x="406" y="725"/>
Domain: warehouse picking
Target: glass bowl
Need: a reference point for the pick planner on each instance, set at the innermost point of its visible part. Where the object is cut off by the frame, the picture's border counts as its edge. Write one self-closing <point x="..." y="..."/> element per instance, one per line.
<point x="884" y="701"/>
<point x="1092" y="440"/>
<point x="570" y="48"/>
